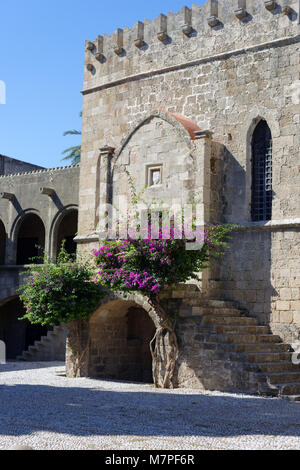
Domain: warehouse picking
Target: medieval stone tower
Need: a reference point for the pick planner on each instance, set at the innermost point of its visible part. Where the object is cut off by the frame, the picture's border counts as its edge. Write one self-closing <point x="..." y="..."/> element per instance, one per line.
<point x="207" y="101"/>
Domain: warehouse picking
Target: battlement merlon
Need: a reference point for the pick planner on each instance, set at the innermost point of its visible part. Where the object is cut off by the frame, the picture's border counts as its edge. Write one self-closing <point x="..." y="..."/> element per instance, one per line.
<point x="215" y="28"/>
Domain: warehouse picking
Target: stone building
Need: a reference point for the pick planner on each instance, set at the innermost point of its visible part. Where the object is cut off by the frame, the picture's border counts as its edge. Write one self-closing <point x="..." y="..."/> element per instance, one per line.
<point x="204" y="102"/>
<point x="38" y="208"/>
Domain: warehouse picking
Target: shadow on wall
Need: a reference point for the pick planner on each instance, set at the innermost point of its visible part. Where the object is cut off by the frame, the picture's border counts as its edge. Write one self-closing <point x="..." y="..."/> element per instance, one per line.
<point x="244" y="272"/>
<point x="2" y="243"/>
<point x="80" y="411"/>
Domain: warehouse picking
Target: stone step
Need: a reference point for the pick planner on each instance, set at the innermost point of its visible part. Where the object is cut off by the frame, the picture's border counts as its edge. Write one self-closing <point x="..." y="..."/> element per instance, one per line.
<point x="221" y="311"/>
<point x="187" y="287"/>
<point x="40" y="344"/>
<point x="245" y="339"/>
<point x="52" y="333"/>
<point x="241" y="329"/>
<point x="269" y="348"/>
<point x="44" y="339"/>
<point x="270" y="367"/>
<point x="263" y="357"/>
<point x="294" y="398"/>
<point x="48" y="347"/>
<point x="221" y="303"/>
<point x="283" y="377"/>
<point x="290" y="388"/>
<point x="262" y="347"/>
<point x="27" y="355"/>
<point x="228" y="320"/>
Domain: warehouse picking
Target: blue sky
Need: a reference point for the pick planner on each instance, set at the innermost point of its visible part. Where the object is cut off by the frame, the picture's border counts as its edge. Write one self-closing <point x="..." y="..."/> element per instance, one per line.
<point x="41" y="63"/>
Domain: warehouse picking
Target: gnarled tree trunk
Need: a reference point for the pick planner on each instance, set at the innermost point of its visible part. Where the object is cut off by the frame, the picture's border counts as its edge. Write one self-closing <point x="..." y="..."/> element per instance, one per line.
<point x="164" y="348"/>
<point x="77" y="348"/>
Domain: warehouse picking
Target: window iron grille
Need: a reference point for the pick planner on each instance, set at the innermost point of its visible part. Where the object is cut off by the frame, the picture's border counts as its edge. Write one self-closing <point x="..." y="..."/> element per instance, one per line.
<point x="261" y="173"/>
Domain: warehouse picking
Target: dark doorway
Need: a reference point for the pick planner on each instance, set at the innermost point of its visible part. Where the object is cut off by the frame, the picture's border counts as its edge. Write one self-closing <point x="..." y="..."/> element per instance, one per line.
<point x="17" y="334"/>
<point x="67" y="231"/>
<point x="31" y="240"/>
<point x="140" y="331"/>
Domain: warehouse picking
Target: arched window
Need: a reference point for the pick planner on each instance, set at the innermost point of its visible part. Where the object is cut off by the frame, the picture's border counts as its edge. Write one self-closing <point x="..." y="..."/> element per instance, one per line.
<point x="67" y="231"/>
<point x="261" y="172"/>
<point x="31" y="239"/>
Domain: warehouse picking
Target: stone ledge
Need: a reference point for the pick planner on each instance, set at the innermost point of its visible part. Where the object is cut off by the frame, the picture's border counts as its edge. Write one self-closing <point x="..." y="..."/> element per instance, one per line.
<point x="272" y="224"/>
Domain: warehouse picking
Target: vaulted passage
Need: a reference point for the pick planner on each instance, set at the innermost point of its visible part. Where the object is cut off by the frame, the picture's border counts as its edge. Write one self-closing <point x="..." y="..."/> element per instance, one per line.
<point x="120" y="335"/>
<point x="17" y="334"/>
<point x="31" y="239"/>
<point x="2" y="243"/>
<point x="67" y="231"/>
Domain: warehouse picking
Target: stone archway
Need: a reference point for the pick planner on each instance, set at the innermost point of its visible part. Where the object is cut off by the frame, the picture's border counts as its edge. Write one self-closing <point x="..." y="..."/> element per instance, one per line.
<point x="66" y="231"/>
<point x="115" y="342"/>
<point x="120" y="333"/>
<point x="30" y="239"/>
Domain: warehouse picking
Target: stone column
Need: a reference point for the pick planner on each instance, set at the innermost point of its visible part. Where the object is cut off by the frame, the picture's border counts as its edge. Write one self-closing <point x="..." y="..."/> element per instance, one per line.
<point x="104" y="184"/>
<point x="203" y="143"/>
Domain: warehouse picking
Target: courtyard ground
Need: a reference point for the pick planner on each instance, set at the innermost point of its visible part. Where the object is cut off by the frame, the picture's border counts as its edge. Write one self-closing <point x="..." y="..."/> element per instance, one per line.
<point x="41" y="408"/>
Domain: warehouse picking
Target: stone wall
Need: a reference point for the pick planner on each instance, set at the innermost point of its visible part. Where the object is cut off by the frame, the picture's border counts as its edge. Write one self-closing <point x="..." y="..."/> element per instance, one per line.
<point x="26" y="193"/>
<point x="33" y="206"/>
<point x="11" y="166"/>
<point x="261" y="271"/>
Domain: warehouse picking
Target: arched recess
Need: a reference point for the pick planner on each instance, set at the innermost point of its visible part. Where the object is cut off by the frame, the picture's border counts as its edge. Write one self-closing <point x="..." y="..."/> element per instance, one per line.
<point x="159" y="154"/>
<point x="17" y="334"/>
<point x="120" y="332"/>
<point x="261" y="188"/>
<point x="64" y="227"/>
<point x="254" y="116"/>
<point x="2" y="242"/>
<point x="183" y="126"/>
<point x="29" y="238"/>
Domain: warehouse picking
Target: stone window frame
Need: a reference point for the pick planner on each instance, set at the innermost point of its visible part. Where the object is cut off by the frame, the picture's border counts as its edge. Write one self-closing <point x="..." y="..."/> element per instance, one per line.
<point x="261" y="167"/>
<point x="254" y="116"/>
<point x="149" y="169"/>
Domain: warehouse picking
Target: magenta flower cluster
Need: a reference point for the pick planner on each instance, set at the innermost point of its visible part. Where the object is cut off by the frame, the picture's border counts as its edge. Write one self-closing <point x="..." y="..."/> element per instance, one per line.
<point x="125" y="264"/>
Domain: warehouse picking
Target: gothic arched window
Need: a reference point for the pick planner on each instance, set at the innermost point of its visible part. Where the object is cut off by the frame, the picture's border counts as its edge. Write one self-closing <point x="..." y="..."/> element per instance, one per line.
<point x="261" y="172"/>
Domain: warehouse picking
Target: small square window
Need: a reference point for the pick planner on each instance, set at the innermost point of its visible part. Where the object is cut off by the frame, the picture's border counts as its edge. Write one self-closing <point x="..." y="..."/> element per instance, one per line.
<point x="154" y="176"/>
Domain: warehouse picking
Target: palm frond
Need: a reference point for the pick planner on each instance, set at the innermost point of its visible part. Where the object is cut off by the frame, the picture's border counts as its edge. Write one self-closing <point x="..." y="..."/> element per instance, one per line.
<point x="76" y="148"/>
<point x="72" y="132"/>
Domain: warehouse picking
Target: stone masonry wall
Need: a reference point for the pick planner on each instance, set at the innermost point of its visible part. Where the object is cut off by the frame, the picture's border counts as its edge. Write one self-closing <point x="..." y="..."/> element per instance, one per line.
<point x="11" y="166"/>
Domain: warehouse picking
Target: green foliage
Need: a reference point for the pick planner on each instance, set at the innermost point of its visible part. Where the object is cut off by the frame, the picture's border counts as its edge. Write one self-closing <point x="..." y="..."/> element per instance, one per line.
<point x="72" y="153"/>
<point x="60" y="292"/>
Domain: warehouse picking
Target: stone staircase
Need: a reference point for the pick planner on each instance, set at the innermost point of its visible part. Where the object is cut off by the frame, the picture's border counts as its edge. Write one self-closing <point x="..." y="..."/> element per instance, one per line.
<point x="51" y="347"/>
<point x="253" y="359"/>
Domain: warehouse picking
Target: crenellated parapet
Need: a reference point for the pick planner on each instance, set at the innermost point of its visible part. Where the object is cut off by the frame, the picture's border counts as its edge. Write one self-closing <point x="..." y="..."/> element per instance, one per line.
<point x="193" y="33"/>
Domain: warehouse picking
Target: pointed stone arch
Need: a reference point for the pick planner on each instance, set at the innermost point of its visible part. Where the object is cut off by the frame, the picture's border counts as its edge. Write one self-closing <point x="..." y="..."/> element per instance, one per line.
<point x="256" y="114"/>
<point x="160" y="142"/>
<point x="182" y="125"/>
